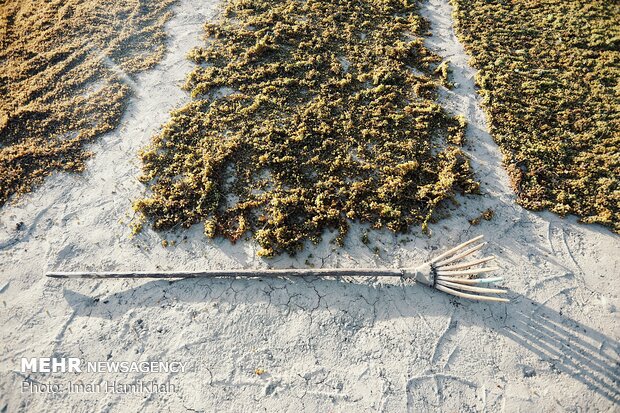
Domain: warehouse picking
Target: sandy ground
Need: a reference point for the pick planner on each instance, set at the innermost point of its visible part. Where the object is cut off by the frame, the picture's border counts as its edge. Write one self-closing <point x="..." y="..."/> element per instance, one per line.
<point x="324" y="345"/>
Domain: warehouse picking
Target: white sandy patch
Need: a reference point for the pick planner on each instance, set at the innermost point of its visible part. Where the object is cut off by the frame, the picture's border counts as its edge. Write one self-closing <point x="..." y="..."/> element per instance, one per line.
<point x="320" y="344"/>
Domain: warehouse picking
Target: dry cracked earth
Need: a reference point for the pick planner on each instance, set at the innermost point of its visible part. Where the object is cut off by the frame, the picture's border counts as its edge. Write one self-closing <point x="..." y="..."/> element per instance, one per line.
<point x="303" y="344"/>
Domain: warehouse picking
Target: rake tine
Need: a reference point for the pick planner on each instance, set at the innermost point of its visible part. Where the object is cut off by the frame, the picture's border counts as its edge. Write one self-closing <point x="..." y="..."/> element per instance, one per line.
<point x="468" y="272"/>
<point x="467" y="264"/>
<point x="466" y="287"/>
<point x="461" y="255"/>
<point x="470" y="296"/>
<point x="455" y="249"/>
<point x="470" y="281"/>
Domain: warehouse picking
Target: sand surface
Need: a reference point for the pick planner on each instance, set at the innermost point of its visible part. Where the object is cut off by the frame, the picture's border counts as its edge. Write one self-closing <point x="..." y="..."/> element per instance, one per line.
<point x="320" y="344"/>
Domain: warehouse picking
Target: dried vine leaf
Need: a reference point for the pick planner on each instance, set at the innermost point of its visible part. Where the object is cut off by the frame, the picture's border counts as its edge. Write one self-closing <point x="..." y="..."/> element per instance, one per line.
<point x="63" y="66"/>
<point x="307" y="115"/>
<point x="550" y="78"/>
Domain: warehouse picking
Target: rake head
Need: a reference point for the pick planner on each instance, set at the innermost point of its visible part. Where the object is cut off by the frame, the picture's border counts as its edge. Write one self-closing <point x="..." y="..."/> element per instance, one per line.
<point x="452" y="274"/>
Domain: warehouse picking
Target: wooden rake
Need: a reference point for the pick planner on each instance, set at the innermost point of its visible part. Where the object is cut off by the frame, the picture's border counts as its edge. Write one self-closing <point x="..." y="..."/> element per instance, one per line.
<point x="448" y="273"/>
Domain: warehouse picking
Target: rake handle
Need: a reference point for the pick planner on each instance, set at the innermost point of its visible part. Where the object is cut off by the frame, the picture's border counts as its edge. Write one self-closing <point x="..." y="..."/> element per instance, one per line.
<point x="337" y="272"/>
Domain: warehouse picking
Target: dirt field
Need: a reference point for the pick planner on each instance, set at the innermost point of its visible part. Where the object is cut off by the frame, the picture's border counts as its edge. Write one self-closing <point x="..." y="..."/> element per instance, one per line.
<point x="302" y="344"/>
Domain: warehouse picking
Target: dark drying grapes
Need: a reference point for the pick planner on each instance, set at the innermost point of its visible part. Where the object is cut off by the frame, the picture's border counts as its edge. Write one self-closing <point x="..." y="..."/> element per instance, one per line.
<point x="550" y="78"/>
<point x="307" y="115"/>
<point x="59" y="79"/>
